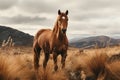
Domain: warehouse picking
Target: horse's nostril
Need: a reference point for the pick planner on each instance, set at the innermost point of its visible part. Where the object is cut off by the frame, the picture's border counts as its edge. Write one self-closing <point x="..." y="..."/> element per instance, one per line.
<point x="63" y="30"/>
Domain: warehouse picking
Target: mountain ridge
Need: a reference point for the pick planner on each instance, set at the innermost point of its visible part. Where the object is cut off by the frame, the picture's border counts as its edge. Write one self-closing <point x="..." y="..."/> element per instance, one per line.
<point x="24" y="39"/>
<point x="19" y="38"/>
<point x="100" y="41"/>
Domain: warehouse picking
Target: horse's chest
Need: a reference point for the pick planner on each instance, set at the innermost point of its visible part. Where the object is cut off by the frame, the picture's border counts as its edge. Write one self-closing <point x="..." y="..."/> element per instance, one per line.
<point x="60" y="48"/>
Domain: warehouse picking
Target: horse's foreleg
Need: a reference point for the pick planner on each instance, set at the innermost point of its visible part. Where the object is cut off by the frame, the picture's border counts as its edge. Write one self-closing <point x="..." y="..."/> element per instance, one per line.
<point x="63" y="55"/>
<point x="55" y="61"/>
<point x="46" y="60"/>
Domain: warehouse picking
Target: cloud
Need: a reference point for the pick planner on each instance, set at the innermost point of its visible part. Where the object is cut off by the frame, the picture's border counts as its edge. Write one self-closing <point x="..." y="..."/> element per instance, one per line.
<point x="36" y="6"/>
<point x="85" y="16"/>
<point x="98" y="4"/>
<point x="6" y="4"/>
<point x="21" y="19"/>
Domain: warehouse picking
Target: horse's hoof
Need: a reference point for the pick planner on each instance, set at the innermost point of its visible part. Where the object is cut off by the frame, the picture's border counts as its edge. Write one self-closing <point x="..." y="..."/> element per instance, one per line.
<point x="55" y="68"/>
<point x="53" y="71"/>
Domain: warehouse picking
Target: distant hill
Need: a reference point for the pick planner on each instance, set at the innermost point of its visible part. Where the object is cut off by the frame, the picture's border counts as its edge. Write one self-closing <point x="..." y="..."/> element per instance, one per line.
<point x="99" y="41"/>
<point x="19" y="38"/>
<point x="24" y="39"/>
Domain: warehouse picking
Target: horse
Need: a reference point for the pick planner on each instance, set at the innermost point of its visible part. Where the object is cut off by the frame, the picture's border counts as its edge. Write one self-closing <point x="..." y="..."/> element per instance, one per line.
<point x="53" y="42"/>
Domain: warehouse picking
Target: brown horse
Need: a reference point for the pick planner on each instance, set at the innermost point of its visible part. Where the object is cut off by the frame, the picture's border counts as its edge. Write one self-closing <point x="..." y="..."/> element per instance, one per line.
<point x="52" y="41"/>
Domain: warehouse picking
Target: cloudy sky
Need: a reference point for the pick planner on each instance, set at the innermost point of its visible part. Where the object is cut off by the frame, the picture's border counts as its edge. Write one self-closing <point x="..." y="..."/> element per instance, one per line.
<point x="86" y="17"/>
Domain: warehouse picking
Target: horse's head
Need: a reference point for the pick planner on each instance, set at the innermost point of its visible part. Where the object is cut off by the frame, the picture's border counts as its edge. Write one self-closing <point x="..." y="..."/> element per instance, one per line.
<point x="62" y="21"/>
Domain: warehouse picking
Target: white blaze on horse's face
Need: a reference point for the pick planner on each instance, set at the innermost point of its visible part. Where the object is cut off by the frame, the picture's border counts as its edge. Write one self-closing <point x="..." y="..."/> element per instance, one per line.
<point x="63" y="21"/>
<point x="64" y="24"/>
<point x="63" y="17"/>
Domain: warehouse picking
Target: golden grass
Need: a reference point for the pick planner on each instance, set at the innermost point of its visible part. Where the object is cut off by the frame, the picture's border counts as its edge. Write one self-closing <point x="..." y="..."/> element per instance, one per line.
<point x="15" y="68"/>
<point x="3" y="69"/>
<point x="20" y="67"/>
<point x="113" y="71"/>
<point x="92" y="62"/>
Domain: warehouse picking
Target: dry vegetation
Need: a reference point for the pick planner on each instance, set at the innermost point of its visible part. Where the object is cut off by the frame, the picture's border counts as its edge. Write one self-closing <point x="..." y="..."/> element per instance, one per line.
<point x="16" y="63"/>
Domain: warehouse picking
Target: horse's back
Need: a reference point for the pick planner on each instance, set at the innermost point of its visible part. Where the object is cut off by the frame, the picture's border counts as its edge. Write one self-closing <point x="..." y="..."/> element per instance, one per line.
<point x="41" y="32"/>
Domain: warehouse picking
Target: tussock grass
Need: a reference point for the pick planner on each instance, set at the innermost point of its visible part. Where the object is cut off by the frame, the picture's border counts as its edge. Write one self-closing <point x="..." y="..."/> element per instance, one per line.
<point x="112" y="71"/>
<point x="20" y="67"/>
<point x="4" y="75"/>
<point x="95" y="64"/>
<point x="90" y="65"/>
<point x="49" y="74"/>
<point x="15" y="68"/>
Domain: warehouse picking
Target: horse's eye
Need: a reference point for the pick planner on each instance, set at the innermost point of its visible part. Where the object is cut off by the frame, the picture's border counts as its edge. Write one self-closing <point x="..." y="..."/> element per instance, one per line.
<point x="67" y="19"/>
<point x="59" y="21"/>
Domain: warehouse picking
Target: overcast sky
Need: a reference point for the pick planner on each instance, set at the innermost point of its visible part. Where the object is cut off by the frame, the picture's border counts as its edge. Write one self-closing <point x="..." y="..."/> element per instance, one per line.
<point x="86" y="17"/>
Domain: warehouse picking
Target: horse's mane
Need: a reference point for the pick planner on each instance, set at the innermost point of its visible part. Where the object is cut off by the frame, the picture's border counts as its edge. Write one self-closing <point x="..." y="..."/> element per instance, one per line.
<point x="57" y="32"/>
<point x="55" y="29"/>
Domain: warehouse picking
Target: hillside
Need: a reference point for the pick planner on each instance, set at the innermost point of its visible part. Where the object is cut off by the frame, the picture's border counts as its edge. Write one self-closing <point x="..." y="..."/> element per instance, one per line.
<point x="19" y="38"/>
<point x="24" y="39"/>
<point x="100" y="41"/>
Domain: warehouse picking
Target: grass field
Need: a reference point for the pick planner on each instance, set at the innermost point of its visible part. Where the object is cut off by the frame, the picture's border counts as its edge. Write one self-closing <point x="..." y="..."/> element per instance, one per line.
<point x="93" y="64"/>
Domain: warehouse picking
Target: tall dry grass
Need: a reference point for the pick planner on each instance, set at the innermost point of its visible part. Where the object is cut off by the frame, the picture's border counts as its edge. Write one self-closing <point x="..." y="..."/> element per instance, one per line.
<point x="15" y="68"/>
<point x="20" y="67"/>
<point x="3" y="69"/>
<point x="112" y="71"/>
<point x="91" y="64"/>
<point x="95" y="64"/>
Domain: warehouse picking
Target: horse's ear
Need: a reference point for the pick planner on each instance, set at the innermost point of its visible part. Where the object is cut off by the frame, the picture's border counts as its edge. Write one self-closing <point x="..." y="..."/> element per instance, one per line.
<point x="59" y="12"/>
<point x="66" y="12"/>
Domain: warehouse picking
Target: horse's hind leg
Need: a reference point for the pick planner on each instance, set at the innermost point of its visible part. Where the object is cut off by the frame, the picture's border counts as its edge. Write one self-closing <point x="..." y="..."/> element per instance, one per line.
<point x="37" y="50"/>
<point x="46" y="59"/>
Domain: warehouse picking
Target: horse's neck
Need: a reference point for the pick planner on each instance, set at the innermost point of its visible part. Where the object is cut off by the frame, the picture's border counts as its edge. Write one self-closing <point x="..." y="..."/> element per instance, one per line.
<point x="55" y="29"/>
<point x="57" y="33"/>
<point x="57" y="37"/>
<point x="61" y="36"/>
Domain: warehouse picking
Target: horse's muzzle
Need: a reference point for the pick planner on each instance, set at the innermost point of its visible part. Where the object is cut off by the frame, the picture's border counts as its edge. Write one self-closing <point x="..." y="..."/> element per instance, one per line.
<point x="64" y="30"/>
